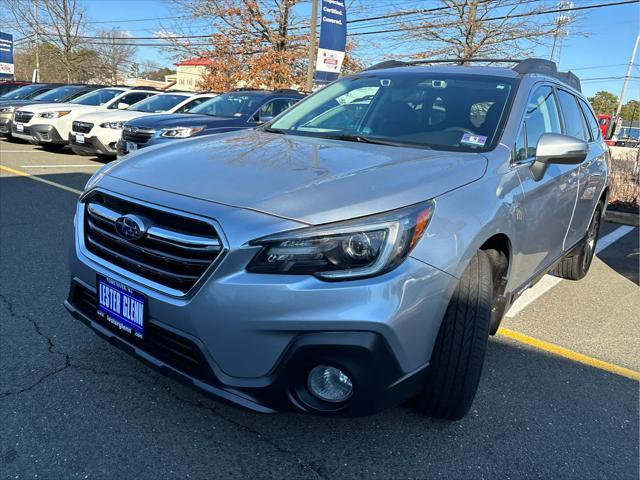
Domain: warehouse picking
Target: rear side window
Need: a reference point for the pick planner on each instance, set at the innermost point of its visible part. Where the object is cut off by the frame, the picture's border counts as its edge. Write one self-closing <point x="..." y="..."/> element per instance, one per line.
<point x="192" y="104"/>
<point x="574" y="125"/>
<point x="130" y="99"/>
<point x="591" y="119"/>
<point x="541" y="117"/>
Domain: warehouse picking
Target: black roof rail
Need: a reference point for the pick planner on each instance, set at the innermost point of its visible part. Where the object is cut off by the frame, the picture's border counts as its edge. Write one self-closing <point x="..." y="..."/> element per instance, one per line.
<point x="247" y="89"/>
<point x="523" y="66"/>
<point x="288" y="90"/>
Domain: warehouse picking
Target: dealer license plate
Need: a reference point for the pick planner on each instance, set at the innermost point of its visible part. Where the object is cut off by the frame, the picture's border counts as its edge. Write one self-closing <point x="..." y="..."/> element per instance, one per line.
<point x="79" y="138"/>
<point x="121" y="306"/>
<point x="19" y="127"/>
<point x="131" y="146"/>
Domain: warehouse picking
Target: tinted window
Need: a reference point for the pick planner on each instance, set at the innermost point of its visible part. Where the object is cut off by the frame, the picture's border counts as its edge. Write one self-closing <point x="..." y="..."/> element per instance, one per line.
<point x="541" y="117"/>
<point x="97" y="97"/>
<point x="158" y="103"/>
<point x="130" y="99"/>
<point x="187" y="107"/>
<point x="4" y="88"/>
<point x="441" y="111"/>
<point x="573" y="120"/>
<point x="520" y="149"/>
<point x="230" y="105"/>
<point x="56" y="94"/>
<point x="275" y="107"/>
<point x="591" y="119"/>
<point x="24" y="93"/>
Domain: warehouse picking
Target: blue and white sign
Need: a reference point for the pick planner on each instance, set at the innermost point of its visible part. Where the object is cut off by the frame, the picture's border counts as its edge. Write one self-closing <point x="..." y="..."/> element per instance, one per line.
<point x="6" y="55"/>
<point x="333" y="40"/>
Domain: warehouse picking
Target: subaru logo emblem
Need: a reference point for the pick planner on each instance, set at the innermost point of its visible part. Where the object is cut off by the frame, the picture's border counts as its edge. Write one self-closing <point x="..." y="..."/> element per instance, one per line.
<point x="130" y="227"/>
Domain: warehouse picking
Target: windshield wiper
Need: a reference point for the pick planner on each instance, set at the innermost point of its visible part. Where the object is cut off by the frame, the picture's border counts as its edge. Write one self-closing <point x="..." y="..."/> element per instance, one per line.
<point x="272" y="130"/>
<point x="365" y="139"/>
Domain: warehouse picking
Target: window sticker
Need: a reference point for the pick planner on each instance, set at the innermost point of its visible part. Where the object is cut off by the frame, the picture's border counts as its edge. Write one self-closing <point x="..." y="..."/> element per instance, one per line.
<point x="470" y="139"/>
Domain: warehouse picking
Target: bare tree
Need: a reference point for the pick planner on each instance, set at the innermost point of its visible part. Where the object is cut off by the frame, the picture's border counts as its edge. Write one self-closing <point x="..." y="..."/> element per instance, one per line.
<point x="60" y="23"/>
<point x="466" y="29"/>
<point x="115" y="54"/>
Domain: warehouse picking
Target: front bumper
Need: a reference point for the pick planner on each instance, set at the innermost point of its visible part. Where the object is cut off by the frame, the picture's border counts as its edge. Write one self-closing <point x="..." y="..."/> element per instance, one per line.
<point x="5" y="124"/>
<point x="46" y="134"/>
<point x="92" y="146"/>
<point x="379" y="381"/>
<point x="24" y="135"/>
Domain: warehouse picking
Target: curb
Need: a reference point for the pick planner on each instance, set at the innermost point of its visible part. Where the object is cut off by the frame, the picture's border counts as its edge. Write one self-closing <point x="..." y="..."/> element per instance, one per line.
<point x="624" y="218"/>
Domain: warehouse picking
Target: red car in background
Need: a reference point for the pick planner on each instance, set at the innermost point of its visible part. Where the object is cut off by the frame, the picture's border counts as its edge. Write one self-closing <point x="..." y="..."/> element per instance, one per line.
<point x="6" y="87"/>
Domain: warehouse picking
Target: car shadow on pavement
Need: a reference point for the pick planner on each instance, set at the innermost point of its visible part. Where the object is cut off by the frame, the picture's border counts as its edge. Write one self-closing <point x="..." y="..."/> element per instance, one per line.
<point x="624" y="256"/>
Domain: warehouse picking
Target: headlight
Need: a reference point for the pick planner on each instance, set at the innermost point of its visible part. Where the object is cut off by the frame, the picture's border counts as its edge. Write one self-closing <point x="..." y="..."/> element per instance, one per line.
<point x="50" y="115"/>
<point x="345" y="250"/>
<point x="7" y="109"/>
<point x="98" y="174"/>
<point x="180" y="132"/>
<point x="114" y="125"/>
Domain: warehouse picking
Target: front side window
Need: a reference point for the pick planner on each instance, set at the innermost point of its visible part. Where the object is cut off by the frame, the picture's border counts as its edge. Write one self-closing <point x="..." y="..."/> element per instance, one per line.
<point x="158" y="103"/>
<point x="573" y="120"/>
<point x="187" y="107"/>
<point x="97" y="97"/>
<point x="520" y="148"/>
<point x="541" y="117"/>
<point x="130" y="99"/>
<point x="230" y="105"/>
<point x="274" y="108"/>
<point x="591" y="119"/>
<point x="455" y="112"/>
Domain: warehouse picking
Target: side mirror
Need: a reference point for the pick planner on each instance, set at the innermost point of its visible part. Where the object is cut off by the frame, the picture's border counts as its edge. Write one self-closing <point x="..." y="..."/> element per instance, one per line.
<point x="123" y="106"/>
<point x="560" y="149"/>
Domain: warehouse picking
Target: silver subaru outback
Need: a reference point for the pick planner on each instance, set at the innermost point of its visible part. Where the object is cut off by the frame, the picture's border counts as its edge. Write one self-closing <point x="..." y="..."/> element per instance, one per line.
<point x="356" y="251"/>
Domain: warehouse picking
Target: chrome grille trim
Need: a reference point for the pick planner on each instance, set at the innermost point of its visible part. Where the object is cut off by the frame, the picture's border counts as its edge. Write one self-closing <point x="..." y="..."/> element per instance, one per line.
<point x="137" y="134"/>
<point x="81" y="127"/>
<point x="165" y="259"/>
<point x="22" y="117"/>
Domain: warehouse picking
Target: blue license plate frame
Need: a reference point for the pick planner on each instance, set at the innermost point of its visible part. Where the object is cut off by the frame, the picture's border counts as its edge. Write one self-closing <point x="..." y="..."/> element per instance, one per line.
<point x="121" y="306"/>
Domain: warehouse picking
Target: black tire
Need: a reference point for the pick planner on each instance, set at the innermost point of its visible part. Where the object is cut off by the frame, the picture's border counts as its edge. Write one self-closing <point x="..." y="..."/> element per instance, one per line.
<point x="52" y="147"/>
<point x="576" y="266"/>
<point x="457" y="359"/>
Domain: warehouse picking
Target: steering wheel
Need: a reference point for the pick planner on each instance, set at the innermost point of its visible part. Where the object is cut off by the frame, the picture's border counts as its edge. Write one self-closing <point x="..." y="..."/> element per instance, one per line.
<point x="459" y="129"/>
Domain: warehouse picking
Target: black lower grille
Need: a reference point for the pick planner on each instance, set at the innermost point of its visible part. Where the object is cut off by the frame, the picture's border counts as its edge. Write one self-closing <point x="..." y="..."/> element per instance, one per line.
<point x="172" y="250"/>
<point x="81" y="127"/>
<point x="23" y="117"/>
<point x="174" y="350"/>
<point x="137" y="134"/>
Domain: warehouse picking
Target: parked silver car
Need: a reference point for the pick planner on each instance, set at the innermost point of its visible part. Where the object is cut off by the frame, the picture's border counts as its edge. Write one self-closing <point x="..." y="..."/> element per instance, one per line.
<point x="353" y="253"/>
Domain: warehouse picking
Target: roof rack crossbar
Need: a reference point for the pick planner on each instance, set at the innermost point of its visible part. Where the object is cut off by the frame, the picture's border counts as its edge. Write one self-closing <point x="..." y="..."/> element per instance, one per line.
<point x="523" y="66"/>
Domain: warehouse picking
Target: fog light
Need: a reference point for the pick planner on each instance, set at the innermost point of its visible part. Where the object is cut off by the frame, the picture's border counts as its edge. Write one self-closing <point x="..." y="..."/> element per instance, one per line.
<point x="330" y="384"/>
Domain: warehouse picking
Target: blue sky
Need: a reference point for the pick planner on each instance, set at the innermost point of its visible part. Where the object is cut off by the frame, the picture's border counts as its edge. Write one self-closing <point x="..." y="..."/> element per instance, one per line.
<point x="604" y="52"/>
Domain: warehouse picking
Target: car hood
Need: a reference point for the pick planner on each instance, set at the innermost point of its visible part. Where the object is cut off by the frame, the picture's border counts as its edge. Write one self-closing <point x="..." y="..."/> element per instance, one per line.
<point x="307" y="179"/>
<point x="111" y="116"/>
<point x="18" y="103"/>
<point x="44" y="107"/>
<point x="183" y="120"/>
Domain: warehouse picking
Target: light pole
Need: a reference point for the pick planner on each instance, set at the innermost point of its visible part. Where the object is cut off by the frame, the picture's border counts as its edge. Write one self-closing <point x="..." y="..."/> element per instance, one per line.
<point x="36" y="72"/>
<point x="312" y="46"/>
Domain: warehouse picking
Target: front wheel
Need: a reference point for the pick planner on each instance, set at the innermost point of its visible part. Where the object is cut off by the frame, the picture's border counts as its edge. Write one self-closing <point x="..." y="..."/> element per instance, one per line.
<point x="576" y="266"/>
<point x="457" y="359"/>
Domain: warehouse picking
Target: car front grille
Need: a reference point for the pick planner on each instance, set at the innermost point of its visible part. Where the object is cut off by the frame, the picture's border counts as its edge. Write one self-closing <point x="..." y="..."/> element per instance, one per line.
<point x="23" y="117"/>
<point x="137" y="134"/>
<point x="173" y="250"/>
<point x="81" y="127"/>
<point x="174" y="350"/>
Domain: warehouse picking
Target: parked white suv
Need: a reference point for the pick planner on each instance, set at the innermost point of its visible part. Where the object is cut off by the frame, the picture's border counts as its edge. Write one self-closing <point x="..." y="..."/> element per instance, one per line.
<point x="49" y="124"/>
<point x="97" y="133"/>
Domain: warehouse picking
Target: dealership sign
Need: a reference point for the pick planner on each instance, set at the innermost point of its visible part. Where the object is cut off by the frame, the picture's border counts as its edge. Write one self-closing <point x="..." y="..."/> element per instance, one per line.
<point x="6" y="55"/>
<point x="333" y="40"/>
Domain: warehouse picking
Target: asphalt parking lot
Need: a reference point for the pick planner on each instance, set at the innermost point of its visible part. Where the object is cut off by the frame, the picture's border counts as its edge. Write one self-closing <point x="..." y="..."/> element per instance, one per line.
<point x="559" y="395"/>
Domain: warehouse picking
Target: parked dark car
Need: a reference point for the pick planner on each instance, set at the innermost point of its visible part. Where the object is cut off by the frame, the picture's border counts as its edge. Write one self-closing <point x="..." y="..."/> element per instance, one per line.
<point x="27" y="92"/>
<point x="236" y="110"/>
<point x="62" y="93"/>
<point x="6" y="87"/>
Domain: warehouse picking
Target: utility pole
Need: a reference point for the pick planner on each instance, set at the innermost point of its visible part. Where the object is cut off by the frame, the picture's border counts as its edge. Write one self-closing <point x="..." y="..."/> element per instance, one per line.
<point x="311" y="67"/>
<point x="36" y="72"/>
<point x="627" y="76"/>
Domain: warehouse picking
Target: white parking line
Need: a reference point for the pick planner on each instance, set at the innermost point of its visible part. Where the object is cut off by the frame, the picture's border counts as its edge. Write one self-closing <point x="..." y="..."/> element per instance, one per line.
<point x="63" y="165"/>
<point x="23" y="151"/>
<point x="549" y="281"/>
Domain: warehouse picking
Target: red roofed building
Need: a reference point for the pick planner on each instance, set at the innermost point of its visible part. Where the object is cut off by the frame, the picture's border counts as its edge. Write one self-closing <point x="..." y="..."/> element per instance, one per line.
<point x="190" y="72"/>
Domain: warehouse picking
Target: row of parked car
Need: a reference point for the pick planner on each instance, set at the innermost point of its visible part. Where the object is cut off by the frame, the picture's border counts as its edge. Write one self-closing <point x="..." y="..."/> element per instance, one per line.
<point x="109" y="122"/>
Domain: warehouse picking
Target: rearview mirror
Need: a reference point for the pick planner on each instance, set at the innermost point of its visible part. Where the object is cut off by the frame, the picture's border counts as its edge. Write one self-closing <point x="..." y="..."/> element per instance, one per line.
<point x="123" y="106"/>
<point x="560" y="149"/>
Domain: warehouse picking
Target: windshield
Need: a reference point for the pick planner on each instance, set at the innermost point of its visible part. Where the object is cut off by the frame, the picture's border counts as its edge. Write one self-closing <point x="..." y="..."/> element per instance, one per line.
<point x="21" y="93"/>
<point x="56" y="95"/>
<point x="230" y="105"/>
<point x="158" y="103"/>
<point x="97" y="97"/>
<point x="440" y="111"/>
